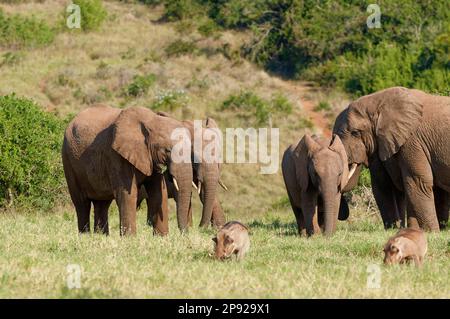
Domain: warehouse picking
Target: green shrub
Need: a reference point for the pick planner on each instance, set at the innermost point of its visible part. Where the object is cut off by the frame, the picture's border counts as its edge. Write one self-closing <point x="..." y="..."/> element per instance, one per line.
<point x="250" y="103"/>
<point x="30" y="160"/>
<point x="329" y="41"/>
<point x="322" y="106"/>
<point x="180" y="47"/>
<point x="92" y="14"/>
<point x="140" y="85"/>
<point x="17" y="31"/>
<point x="170" y="100"/>
<point x="182" y="9"/>
<point x="208" y="28"/>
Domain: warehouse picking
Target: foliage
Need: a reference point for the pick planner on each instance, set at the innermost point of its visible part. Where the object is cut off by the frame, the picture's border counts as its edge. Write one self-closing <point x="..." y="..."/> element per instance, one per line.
<point x="170" y="100"/>
<point x="180" y="47"/>
<point x="18" y="31"/>
<point x="322" y="106"/>
<point x="92" y="14"/>
<point x="140" y="85"/>
<point x="329" y="41"/>
<point x="30" y="146"/>
<point x="248" y="101"/>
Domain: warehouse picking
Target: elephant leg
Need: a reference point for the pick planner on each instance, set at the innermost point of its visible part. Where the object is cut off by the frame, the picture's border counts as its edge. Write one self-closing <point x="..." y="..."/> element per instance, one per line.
<point x="309" y="209"/>
<point x="298" y="217"/>
<point x="126" y="200"/>
<point x="83" y="208"/>
<point x="384" y="192"/>
<point x="157" y="207"/>
<point x="442" y="203"/>
<point x="218" y="217"/>
<point x="401" y="208"/>
<point x="81" y="203"/>
<point x="190" y="219"/>
<point x="320" y="213"/>
<point x="418" y="186"/>
<point x="101" y="216"/>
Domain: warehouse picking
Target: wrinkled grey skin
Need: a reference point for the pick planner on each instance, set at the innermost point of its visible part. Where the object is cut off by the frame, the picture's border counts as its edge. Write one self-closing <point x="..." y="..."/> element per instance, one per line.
<point x="204" y="173"/>
<point x="110" y="153"/>
<point x="315" y="172"/>
<point x="402" y="135"/>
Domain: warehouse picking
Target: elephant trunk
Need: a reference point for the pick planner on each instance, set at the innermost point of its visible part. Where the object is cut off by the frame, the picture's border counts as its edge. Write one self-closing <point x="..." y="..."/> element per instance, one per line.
<point x="331" y="211"/>
<point x="208" y="195"/>
<point x="182" y="175"/>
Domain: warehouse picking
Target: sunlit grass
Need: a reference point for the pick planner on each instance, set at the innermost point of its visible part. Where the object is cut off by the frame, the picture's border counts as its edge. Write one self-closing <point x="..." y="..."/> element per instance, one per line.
<point x="36" y="249"/>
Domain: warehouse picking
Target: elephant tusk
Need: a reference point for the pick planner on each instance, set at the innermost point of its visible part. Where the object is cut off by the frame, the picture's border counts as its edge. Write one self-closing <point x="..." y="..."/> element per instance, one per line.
<point x="176" y="184"/>
<point x="223" y="185"/>
<point x="352" y="171"/>
<point x="199" y="187"/>
<point x="193" y="184"/>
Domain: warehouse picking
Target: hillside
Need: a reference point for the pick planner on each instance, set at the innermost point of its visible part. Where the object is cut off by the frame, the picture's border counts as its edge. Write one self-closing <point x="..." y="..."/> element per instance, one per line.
<point x="82" y="68"/>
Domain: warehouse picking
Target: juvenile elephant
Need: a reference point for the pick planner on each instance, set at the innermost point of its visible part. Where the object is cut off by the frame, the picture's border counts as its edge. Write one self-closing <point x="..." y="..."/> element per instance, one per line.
<point x="206" y="173"/>
<point x="402" y="135"/>
<point x="315" y="172"/>
<point x="109" y="153"/>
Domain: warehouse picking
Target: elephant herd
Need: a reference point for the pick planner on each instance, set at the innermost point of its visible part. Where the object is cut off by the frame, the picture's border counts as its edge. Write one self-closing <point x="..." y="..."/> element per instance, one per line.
<point x="400" y="134"/>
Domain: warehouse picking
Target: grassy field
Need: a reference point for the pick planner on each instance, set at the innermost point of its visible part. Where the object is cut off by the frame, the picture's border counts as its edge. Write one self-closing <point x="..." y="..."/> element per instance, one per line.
<point x="35" y="251"/>
<point x="79" y="69"/>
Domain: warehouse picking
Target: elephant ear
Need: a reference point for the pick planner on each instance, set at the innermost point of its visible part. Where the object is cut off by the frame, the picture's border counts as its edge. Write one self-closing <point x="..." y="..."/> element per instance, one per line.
<point x="302" y="154"/>
<point x="337" y="146"/>
<point x="400" y="114"/>
<point x="131" y="138"/>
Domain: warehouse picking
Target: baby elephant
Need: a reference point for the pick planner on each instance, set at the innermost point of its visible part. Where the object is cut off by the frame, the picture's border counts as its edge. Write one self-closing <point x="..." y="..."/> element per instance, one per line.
<point x="315" y="172"/>
<point x="407" y="244"/>
<point x="231" y="239"/>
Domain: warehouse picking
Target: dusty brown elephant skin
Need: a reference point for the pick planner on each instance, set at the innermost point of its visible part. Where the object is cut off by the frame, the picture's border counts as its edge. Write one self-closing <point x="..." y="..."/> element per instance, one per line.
<point x="109" y="153"/>
<point x="402" y="135"/>
<point x="315" y="172"/>
<point x="206" y="178"/>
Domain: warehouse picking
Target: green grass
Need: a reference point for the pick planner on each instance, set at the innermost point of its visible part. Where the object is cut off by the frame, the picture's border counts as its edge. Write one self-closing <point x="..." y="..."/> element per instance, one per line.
<point x="33" y="262"/>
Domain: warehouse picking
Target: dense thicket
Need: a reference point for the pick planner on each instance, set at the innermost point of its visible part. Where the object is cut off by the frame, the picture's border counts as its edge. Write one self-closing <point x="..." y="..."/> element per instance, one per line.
<point x="329" y="41"/>
<point x="30" y="161"/>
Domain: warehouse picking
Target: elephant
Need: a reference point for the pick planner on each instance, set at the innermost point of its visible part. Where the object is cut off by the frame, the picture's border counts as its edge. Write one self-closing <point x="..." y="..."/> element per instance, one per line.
<point x="110" y="153"/>
<point x="315" y="172"/>
<point x="206" y="178"/>
<point x="401" y="135"/>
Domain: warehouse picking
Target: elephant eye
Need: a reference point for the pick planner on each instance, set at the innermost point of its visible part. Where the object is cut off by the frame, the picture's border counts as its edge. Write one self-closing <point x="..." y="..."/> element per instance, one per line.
<point x="355" y="133"/>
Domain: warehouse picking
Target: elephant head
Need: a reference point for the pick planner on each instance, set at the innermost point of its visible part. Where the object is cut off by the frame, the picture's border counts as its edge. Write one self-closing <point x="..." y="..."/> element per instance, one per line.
<point x="378" y="124"/>
<point x="207" y="166"/>
<point x="146" y="141"/>
<point x="327" y="171"/>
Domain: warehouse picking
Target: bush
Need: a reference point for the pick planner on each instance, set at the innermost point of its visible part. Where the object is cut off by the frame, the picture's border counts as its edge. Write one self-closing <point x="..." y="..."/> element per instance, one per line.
<point x="30" y="161"/>
<point x="322" y="106"/>
<point x="140" y="85"/>
<point x="180" y="47"/>
<point x="183" y="9"/>
<point x="17" y="31"/>
<point x="329" y="41"/>
<point x="170" y="100"/>
<point x="92" y="14"/>
<point x="250" y="104"/>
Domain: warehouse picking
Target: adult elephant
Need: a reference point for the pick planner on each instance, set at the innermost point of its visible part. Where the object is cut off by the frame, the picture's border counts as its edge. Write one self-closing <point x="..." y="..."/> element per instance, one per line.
<point x="206" y="177"/>
<point x="402" y="136"/>
<point x="109" y="153"/>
